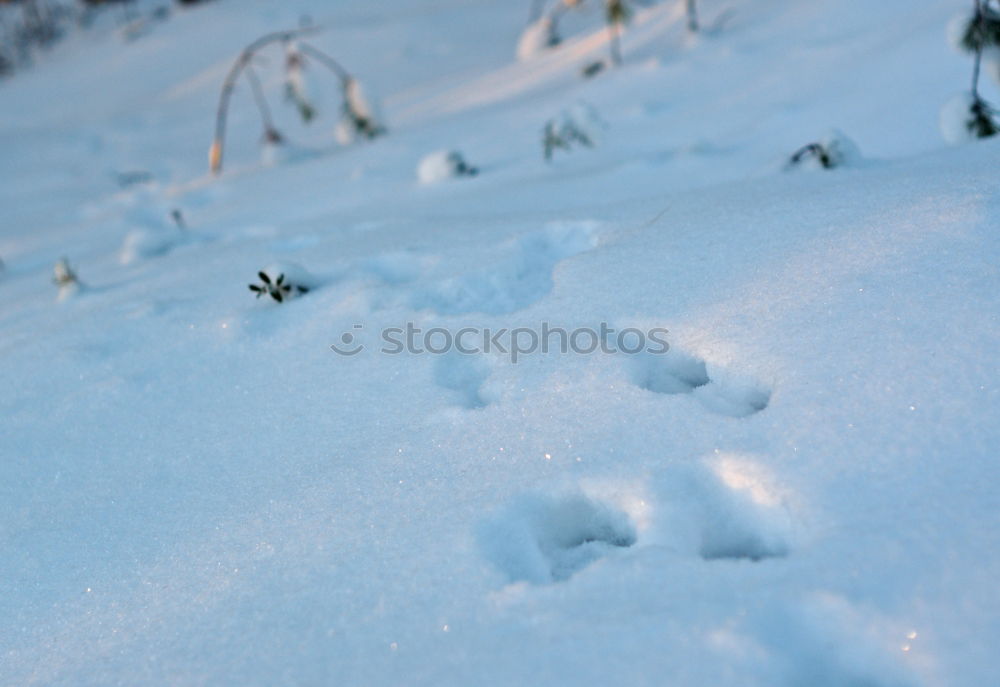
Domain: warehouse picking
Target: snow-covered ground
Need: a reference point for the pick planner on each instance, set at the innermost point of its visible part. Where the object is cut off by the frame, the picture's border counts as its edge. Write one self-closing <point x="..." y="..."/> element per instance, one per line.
<point x="195" y="489"/>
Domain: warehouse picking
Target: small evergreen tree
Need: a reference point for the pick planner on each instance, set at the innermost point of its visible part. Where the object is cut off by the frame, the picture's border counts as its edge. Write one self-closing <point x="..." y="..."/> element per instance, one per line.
<point x="981" y="32"/>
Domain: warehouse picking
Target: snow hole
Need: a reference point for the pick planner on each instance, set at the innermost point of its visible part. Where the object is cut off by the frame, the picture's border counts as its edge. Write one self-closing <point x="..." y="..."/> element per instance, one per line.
<point x="544" y="539"/>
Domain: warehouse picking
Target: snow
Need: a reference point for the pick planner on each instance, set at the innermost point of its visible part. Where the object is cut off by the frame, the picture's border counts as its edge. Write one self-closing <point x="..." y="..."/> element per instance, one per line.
<point x="537" y="37"/>
<point x="442" y="165"/>
<point x="955" y="117"/>
<point x="196" y="489"/>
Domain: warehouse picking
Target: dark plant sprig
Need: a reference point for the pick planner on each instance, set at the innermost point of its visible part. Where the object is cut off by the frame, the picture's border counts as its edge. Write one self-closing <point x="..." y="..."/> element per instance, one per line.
<point x="617" y="13"/>
<point x="982" y="30"/>
<point x="277" y="289"/>
<point x="812" y="150"/>
<point x="563" y="137"/>
<point x="982" y="119"/>
<point x="294" y="63"/>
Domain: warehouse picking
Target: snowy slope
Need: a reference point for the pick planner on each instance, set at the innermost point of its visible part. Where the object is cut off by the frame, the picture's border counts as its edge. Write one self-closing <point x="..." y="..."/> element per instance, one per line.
<point x="197" y="490"/>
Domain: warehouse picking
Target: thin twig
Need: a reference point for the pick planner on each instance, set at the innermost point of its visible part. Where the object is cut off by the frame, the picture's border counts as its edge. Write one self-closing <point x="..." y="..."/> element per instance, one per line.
<point x="980" y="20"/>
<point x="216" y="153"/>
<point x="258" y="95"/>
<point x="327" y="62"/>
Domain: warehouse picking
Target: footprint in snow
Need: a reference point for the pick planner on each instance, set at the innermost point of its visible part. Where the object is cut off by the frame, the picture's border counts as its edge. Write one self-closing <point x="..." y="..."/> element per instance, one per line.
<point x="723" y="393"/>
<point x="463" y="376"/>
<point x="723" y="509"/>
<point x="726" y="508"/>
<point x="544" y="539"/>
<point x="521" y="278"/>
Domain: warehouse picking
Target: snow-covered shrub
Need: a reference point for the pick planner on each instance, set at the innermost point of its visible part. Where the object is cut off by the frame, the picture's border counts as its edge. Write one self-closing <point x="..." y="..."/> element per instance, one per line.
<point x="361" y="118"/>
<point x="283" y="281"/>
<point x="158" y="232"/>
<point x="443" y="164"/>
<point x="833" y="150"/>
<point x="578" y="125"/>
<point x="967" y="116"/>
<point x="65" y="278"/>
<point x="30" y="26"/>
<point x="145" y="243"/>
<point x="977" y="31"/>
<point x="63" y="274"/>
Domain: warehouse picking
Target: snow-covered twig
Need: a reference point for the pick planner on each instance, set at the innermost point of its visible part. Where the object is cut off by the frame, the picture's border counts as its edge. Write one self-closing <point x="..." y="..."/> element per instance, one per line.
<point x="359" y="112"/>
<point x="215" y="155"/>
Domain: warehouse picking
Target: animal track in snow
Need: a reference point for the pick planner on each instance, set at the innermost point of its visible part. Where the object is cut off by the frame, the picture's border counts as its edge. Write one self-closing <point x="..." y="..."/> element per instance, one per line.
<point x="521" y="278"/>
<point x="465" y="375"/>
<point x="544" y="539"/>
<point x="823" y="639"/>
<point x="723" y="393"/>
<point x="724" y="509"/>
